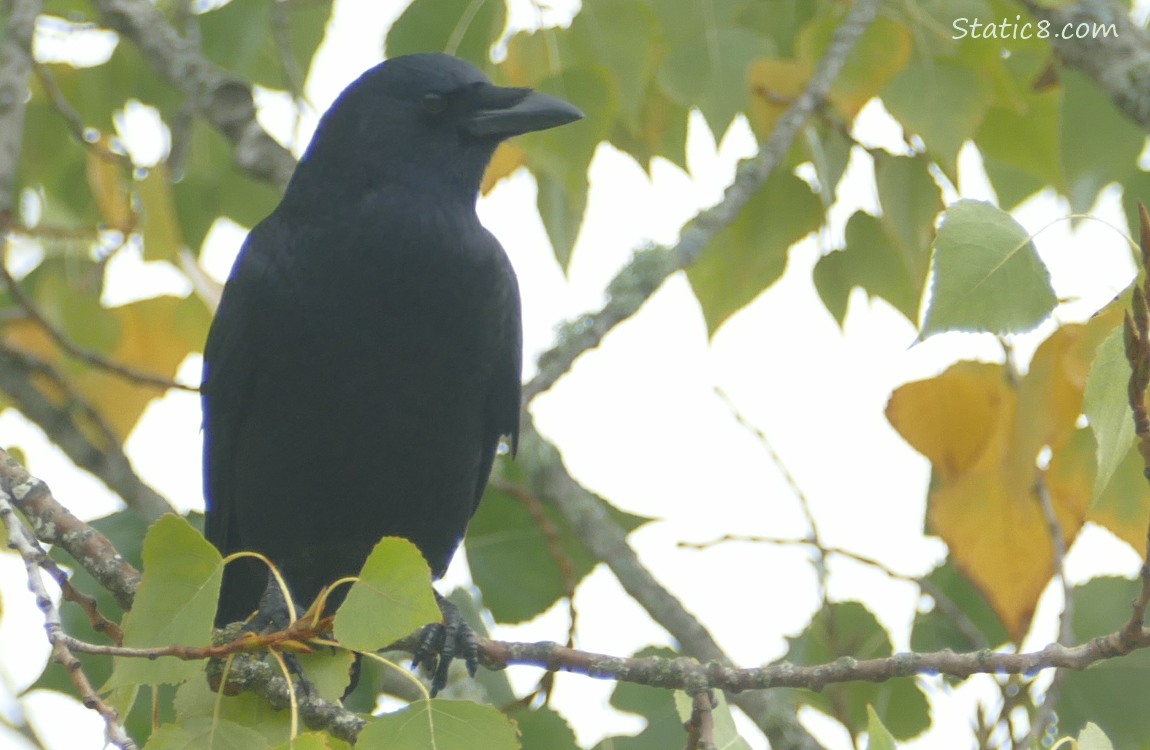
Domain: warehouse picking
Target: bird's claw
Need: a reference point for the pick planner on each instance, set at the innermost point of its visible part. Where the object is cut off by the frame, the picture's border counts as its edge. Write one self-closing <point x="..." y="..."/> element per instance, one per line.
<point x="440" y="643"/>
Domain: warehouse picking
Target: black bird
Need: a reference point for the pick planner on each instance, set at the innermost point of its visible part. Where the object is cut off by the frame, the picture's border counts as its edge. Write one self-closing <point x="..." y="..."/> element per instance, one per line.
<point x="365" y="359"/>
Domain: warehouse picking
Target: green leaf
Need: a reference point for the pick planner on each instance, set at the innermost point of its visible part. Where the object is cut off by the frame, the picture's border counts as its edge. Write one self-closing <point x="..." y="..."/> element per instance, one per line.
<point x="464" y="28"/>
<point x="175" y="603"/>
<point x="711" y="73"/>
<point x="200" y="733"/>
<point x="726" y="735"/>
<point x="195" y="701"/>
<point x="211" y="187"/>
<point x="664" y="728"/>
<point x="941" y="101"/>
<point x="987" y="274"/>
<point x="1100" y="145"/>
<point x="870" y="261"/>
<point x="849" y="629"/>
<point x="750" y="254"/>
<point x="1110" y="693"/>
<point x="442" y="725"/>
<point x="391" y="599"/>
<point x="269" y="42"/>
<point x="545" y="728"/>
<point x="66" y="291"/>
<point x="313" y="741"/>
<point x="505" y="543"/>
<point x="936" y="630"/>
<point x="878" y="736"/>
<point x="619" y="36"/>
<point x="1026" y="141"/>
<point x="1107" y="406"/>
<point x="559" y="157"/>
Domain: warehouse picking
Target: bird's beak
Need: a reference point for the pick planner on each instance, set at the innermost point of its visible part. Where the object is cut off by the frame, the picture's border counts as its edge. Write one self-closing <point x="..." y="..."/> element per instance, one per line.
<point x="503" y="112"/>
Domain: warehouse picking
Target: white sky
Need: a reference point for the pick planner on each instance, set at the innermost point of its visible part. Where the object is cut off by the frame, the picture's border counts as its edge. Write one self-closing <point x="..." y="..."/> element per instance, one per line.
<point x="638" y="422"/>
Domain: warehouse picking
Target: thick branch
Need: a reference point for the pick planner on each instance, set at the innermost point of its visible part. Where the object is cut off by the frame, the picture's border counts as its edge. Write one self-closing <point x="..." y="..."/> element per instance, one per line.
<point x="627" y="293"/>
<point x="1118" y="62"/>
<point x="55" y="524"/>
<point x="15" y="68"/>
<point x="649" y="268"/>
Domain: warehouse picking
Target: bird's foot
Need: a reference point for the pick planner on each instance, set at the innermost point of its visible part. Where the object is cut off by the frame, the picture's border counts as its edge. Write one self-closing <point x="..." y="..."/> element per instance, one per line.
<point x="442" y="642"/>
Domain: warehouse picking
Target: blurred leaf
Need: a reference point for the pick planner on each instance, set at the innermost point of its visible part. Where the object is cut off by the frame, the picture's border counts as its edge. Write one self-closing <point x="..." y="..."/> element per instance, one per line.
<point x="195" y="702"/>
<point x="878" y="736"/>
<point x="1124" y="506"/>
<point x="1026" y="141"/>
<point x="108" y="181"/>
<point x="559" y="158"/>
<point x="391" y="599"/>
<point x="883" y="50"/>
<point x="941" y="101"/>
<point x="464" y="28"/>
<point x="1107" y="406"/>
<point x="1109" y="693"/>
<point x="504" y="543"/>
<point x="199" y="733"/>
<point x="987" y="274"/>
<point x="1100" y="145"/>
<point x="848" y="629"/>
<point x="726" y="735"/>
<point x="210" y="186"/>
<point x="775" y="84"/>
<point x="662" y="131"/>
<point x="663" y="730"/>
<point x="175" y="603"/>
<point x="544" y="728"/>
<point x="312" y="741"/>
<point x="619" y="36"/>
<point x="440" y="724"/>
<point x="711" y="73"/>
<point x="244" y="37"/>
<point x="750" y="254"/>
<point x="160" y="225"/>
<point x="935" y="630"/>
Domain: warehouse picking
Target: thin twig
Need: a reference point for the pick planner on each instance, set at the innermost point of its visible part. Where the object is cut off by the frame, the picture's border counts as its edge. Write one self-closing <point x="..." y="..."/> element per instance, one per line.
<point x="36" y="560"/>
<point x="73" y="424"/>
<point x="944" y="603"/>
<point x="72" y="348"/>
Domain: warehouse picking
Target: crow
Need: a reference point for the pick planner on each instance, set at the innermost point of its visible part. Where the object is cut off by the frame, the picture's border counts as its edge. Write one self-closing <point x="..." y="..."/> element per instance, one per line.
<point x="365" y="359"/>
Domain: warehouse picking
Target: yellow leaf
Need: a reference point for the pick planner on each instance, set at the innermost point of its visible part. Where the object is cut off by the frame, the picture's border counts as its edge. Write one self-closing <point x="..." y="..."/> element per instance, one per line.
<point x="1124" y="507"/>
<point x="108" y="183"/>
<point x="508" y="158"/>
<point x="155" y="336"/>
<point x="160" y="226"/>
<point x="999" y="540"/>
<point x="951" y="419"/>
<point x="774" y="85"/>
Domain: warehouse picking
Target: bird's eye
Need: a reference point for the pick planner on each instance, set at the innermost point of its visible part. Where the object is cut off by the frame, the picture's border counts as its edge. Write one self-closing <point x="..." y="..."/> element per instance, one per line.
<point x="434" y="103"/>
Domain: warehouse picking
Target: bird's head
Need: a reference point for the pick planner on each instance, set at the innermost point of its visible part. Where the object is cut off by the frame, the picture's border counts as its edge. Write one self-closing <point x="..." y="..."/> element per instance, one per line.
<point x="421" y="121"/>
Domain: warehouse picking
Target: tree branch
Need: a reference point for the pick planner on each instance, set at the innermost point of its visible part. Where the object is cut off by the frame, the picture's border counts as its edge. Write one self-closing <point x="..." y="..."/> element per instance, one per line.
<point x="55" y="524"/>
<point x="223" y="99"/>
<point x="1118" y="62"/>
<point x="15" y="69"/>
<point x="65" y="422"/>
<point x="36" y="560"/>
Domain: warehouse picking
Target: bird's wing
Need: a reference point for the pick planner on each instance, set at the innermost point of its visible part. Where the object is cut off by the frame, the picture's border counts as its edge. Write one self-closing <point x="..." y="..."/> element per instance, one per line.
<point x="229" y="366"/>
<point x="501" y="416"/>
